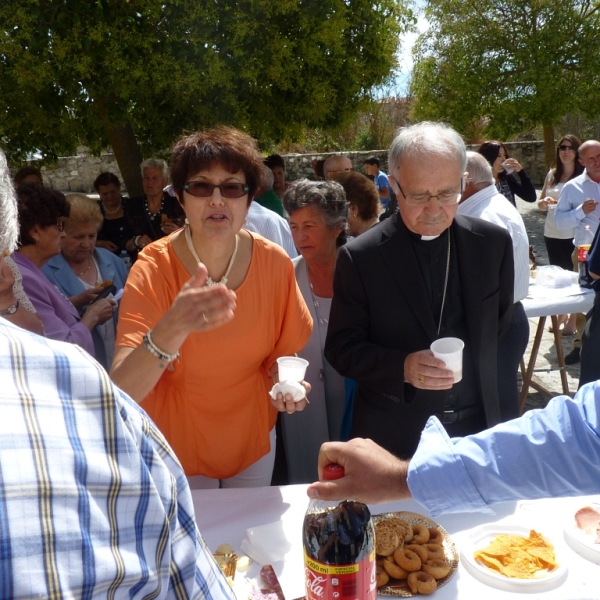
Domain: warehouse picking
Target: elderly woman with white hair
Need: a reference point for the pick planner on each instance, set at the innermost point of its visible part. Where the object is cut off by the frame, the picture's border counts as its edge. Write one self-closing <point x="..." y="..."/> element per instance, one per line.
<point x="156" y="213"/>
<point x="82" y="271"/>
<point x="318" y="219"/>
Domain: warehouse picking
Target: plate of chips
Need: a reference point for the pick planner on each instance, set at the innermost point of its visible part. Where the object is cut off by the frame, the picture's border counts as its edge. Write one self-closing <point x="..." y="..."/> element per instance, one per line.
<point x="513" y="558"/>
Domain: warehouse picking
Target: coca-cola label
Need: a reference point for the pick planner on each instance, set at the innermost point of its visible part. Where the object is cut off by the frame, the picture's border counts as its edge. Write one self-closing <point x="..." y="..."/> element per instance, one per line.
<point x="582" y="253"/>
<point x="357" y="581"/>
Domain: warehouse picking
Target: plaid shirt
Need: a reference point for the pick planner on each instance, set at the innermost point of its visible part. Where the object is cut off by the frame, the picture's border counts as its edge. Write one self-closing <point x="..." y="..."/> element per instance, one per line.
<point x="93" y="502"/>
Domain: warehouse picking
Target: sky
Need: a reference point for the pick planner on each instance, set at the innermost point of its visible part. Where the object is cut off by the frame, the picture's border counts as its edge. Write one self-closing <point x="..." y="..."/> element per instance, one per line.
<point x="406" y="62"/>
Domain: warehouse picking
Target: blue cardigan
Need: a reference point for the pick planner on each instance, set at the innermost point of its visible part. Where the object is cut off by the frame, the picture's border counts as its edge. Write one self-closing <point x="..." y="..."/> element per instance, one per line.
<point x="58" y="271"/>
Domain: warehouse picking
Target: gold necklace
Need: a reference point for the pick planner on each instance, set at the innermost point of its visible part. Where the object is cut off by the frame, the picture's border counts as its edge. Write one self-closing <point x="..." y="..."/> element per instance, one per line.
<point x="209" y="280"/>
<point x="85" y="270"/>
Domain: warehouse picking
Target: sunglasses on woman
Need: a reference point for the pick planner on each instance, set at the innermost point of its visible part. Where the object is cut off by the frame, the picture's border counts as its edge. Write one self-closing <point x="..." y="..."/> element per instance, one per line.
<point x="203" y="189"/>
<point x="565" y="148"/>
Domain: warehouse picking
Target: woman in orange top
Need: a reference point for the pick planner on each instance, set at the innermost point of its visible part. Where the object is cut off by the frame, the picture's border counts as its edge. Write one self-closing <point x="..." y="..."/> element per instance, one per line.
<point x="205" y="314"/>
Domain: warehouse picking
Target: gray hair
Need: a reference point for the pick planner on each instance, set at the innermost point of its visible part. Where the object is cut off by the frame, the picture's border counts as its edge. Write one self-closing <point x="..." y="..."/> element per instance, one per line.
<point x="327" y="196"/>
<point x="9" y="224"/>
<point x="427" y="139"/>
<point x="155" y="163"/>
<point x="268" y="179"/>
<point x="479" y="169"/>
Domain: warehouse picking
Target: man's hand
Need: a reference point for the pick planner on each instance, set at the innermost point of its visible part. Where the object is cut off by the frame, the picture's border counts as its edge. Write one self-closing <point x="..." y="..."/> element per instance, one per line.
<point x="372" y="474"/>
<point x="589" y="206"/>
<point x="426" y="372"/>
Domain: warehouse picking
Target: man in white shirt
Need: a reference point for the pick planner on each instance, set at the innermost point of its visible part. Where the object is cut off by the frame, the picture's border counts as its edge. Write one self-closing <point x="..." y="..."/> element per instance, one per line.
<point x="481" y="199"/>
<point x="267" y="222"/>
<point x="271" y="226"/>
<point x="577" y="207"/>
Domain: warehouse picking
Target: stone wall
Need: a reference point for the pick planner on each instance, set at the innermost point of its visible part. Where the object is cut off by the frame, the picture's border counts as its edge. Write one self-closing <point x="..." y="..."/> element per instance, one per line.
<point x="529" y="154"/>
<point x="77" y="173"/>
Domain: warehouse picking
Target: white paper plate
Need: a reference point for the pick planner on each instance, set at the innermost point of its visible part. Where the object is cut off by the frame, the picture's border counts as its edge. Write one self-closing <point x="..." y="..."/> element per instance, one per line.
<point x="579" y="541"/>
<point x="481" y="536"/>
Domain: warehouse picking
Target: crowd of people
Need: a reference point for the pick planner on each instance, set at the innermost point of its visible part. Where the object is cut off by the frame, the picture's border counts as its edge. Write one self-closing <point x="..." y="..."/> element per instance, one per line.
<point x="235" y="267"/>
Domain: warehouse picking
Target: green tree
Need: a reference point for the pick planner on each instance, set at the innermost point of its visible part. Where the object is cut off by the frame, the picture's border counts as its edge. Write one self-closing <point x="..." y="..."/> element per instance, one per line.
<point x="507" y="64"/>
<point x="135" y="74"/>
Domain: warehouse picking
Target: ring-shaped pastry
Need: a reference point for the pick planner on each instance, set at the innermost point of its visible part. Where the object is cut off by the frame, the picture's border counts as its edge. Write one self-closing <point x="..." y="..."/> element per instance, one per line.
<point x="436" y="552"/>
<point x="421" y="534"/>
<point x="435" y="536"/>
<point x="382" y="577"/>
<point x="394" y="570"/>
<point x="420" y="551"/>
<point x="421" y="583"/>
<point x="438" y="569"/>
<point x="407" y="559"/>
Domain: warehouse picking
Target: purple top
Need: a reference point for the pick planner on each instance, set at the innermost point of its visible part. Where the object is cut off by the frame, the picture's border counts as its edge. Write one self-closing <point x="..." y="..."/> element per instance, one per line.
<point x="61" y="319"/>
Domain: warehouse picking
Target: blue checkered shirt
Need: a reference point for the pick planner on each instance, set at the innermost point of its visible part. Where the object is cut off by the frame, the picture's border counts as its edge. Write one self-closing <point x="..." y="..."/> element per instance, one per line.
<point x="93" y="502"/>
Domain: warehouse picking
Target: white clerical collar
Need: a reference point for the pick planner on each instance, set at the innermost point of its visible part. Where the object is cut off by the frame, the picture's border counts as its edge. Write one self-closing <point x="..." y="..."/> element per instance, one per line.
<point x="428" y="238"/>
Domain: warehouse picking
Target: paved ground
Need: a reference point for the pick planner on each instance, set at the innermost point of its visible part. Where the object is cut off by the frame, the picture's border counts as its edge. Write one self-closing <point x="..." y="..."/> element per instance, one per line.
<point x="546" y="372"/>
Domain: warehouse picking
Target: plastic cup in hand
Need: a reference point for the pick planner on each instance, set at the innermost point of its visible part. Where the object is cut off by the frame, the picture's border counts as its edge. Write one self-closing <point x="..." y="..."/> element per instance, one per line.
<point x="450" y="350"/>
<point x="291" y="368"/>
<point x="507" y="169"/>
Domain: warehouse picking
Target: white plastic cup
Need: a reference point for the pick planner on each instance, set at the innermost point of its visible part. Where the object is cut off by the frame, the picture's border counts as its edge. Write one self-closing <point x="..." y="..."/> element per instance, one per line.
<point x="450" y="350"/>
<point x="507" y="169"/>
<point x="291" y="368"/>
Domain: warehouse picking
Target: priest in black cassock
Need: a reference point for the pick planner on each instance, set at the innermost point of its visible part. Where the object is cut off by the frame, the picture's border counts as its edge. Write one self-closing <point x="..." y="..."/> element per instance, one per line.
<point x="422" y="274"/>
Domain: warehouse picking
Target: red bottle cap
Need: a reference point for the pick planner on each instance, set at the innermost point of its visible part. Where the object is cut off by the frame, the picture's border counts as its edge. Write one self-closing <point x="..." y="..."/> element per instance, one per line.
<point x="333" y="471"/>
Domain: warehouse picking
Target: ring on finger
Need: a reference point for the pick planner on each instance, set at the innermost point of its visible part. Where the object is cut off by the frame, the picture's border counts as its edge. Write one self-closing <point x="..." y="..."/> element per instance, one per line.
<point x="421" y="379"/>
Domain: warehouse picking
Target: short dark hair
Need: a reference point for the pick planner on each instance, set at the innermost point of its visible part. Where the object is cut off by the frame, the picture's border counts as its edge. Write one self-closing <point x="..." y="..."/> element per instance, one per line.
<point x="372" y="160"/>
<point x="327" y="196"/>
<point x="275" y="160"/>
<point x="106" y="178"/>
<point x="360" y="192"/>
<point x="38" y="205"/>
<point x="231" y="148"/>
<point x="25" y="172"/>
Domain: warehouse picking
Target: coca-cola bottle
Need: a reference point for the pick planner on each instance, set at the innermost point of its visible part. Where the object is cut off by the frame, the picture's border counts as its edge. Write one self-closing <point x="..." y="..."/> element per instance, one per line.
<point x="339" y="548"/>
<point x="583" y="247"/>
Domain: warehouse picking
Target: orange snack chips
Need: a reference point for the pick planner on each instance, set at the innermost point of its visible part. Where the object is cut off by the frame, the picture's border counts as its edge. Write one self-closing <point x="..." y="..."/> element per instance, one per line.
<point x="518" y="557"/>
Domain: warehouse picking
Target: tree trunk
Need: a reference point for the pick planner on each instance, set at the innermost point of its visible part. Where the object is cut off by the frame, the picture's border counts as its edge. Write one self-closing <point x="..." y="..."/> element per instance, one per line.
<point x="128" y="156"/>
<point x="550" y="150"/>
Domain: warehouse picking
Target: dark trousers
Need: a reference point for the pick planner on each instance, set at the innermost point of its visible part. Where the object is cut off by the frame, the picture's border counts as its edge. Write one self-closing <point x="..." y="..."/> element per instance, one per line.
<point x="511" y="347"/>
<point x="590" y="346"/>
<point x="559" y="252"/>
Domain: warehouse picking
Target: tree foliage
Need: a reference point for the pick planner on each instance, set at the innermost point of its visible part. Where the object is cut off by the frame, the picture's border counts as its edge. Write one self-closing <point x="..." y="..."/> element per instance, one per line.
<point x="99" y="71"/>
<point x="507" y="65"/>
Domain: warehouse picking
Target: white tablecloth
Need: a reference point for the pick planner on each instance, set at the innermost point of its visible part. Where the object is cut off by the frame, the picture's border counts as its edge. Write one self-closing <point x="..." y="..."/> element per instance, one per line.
<point x="553" y="305"/>
<point x="224" y="515"/>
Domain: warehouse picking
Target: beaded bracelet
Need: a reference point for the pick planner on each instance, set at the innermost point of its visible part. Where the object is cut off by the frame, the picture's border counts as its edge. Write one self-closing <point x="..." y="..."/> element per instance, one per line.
<point x="160" y="354"/>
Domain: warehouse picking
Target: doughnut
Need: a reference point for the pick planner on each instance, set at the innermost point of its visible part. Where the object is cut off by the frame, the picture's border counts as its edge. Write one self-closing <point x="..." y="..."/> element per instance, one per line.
<point x="407" y="559"/>
<point x="382" y="576"/>
<point x="435" y="536"/>
<point x="421" y="583"/>
<point x="394" y="570"/>
<point x="409" y="535"/>
<point x="421" y="534"/>
<point x="420" y="551"/>
<point x="438" y="569"/>
<point x="386" y="539"/>
<point x="435" y="551"/>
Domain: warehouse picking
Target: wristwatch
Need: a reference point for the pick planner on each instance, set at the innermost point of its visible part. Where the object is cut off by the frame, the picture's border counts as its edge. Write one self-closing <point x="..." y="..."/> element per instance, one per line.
<point x="11" y="310"/>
